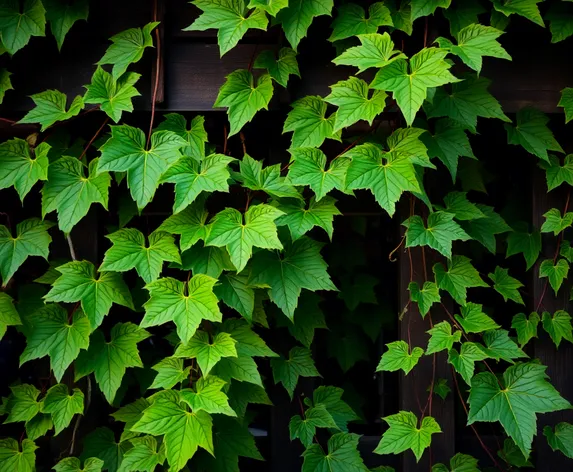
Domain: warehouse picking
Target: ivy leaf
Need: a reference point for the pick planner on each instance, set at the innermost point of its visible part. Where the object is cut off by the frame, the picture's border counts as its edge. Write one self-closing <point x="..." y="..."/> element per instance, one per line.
<point x="249" y="342"/>
<point x="404" y="434"/>
<point x="299" y="15"/>
<point x="343" y="455"/>
<point x="22" y="166"/>
<point x="129" y="251"/>
<point x="460" y="276"/>
<point x="272" y="7"/>
<point x="506" y="285"/>
<point x="525" y="392"/>
<point x="441" y="337"/>
<point x="281" y="68"/>
<point x="62" y="406"/>
<point x="243" y="393"/>
<point x="17" y="26"/>
<point x="300" y="266"/>
<point x="500" y="346"/>
<point x="100" y="443"/>
<point x="234" y="290"/>
<point x="113" y="96"/>
<point x="483" y="230"/>
<point x="409" y="81"/>
<point x="127" y="48"/>
<point x="38" y="426"/>
<point x="422" y="8"/>
<point x="375" y="50"/>
<point x="425" y="297"/>
<point x="109" y="360"/>
<point x="12" y="457"/>
<point x="459" y="463"/>
<point x="243" y="98"/>
<point x="529" y="244"/>
<point x="78" y="281"/>
<point x="566" y="103"/>
<point x="8" y="314"/>
<point x="557" y="174"/>
<point x="474" y="320"/>
<point x="561" y="439"/>
<point x="187" y="304"/>
<point x="190" y="223"/>
<point x="308" y="122"/>
<point x="49" y="333"/>
<point x="464" y="361"/>
<point x="144" y="455"/>
<point x="51" y="107"/>
<point x="526" y="8"/>
<point x="206" y="352"/>
<point x="126" y="150"/>
<point x="169" y="373"/>
<point x="195" y="136"/>
<point x="23" y="404"/>
<point x="258" y="230"/>
<point x="73" y="464"/>
<point x="331" y="398"/>
<point x="555" y="222"/>
<point x="231" y="18"/>
<point x="130" y="414"/>
<point x="62" y="17"/>
<point x="351" y="20"/>
<point x="558" y="326"/>
<point x="305" y="429"/>
<point x="354" y="104"/>
<point x="463" y="210"/>
<point x="531" y="132"/>
<point x="398" y="356"/>
<point x="242" y="368"/>
<point x="208" y="396"/>
<point x="300" y="220"/>
<point x="475" y="42"/>
<point x="526" y="327"/>
<point x="441" y="388"/>
<point x="5" y="83"/>
<point x="298" y="364"/>
<point x="555" y="272"/>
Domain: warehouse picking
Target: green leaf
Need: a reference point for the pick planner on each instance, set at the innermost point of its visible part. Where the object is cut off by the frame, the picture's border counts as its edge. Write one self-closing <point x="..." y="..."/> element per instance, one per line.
<point x="561" y="439"/>
<point x="422" y="8"/>
<point x="195" y="136"/>
<point x="299" y="15"/>
<point x="258" y="230"/>
<point x="234" y="290"/>
<point x="184" y="431"/>
<point x="243" y="98"/>
<point x="272" y="7"/>
<point x="348" y="346"/>
<point x="298" y="364"/>
<point x="208" y="396"/>
<point x="343" y="455"/>
<point x="558" y="326"/>
<point x="73" y="464"/>
<point x="441" y="337"/>
<point x="38" y="426"/>
<point x="62" y="406"/>
<point x="5" y="83"/>
<point x="409" y="81"/>
<point x="189" y="223"/>
<point x="51" y="107"/>
<point x="463" y="14"/>
<point x="464" y="361"/>
<point x="555" y="222"/>
<point x="506" y="285"/>
<point x="459" y="463"/>
<point x="242" y="368"/>
<point x="305" y="429"/>
<point x="22" y="166"/>
<point x="526" y="8"/>
<point x="78" y="281"/>
<point x="474" y="320"/>
<point x="268" y="180"/>
<point x="460" y="276"/>
<point x="300" y="266"/>
<point x="14" y="458"/>
<point x="331" y="398"/>
<point x="524" y="392"/>
<point x="231" y="18"/>
<point x="560" y="22"/>
<point x="566" y="251"/>
<point x="129" y="251"/>
<point x="307" y="318"/>
<point x="63" y="15"/>
<point x="566" y="103"/>
<point x="398" y="356"/>
<point x="500" y="346"/>
<point x="243" y="393"/>
<point x="375" y="50"/>
<point x="8" y="314"/>
<point x="170" y="372"/>
<point x="249" y="343"/>
<point x="529" y="244"/>
<point x="22" y="404"/>
<point x="301" y="220"/>
<point x="526" y="327"/>
<point x="127" y="48"/>
<point x="557" y="174"/>
<point x="113" y="96"/>
<point x="207" y="353"/>
<point x="126" y="150"/>
<point x="109" y="360"/>
<point x="144" y="455"/>
<point x="425" y="297"/>
<point x="308" y="122"/>
<point x="441" y="388"/>
<point x="100" y="443"/>
<point x="484" y="229"/>
<point x="187" y="304"/>
<point x="130" y="414"/>
<point x="404" y="434"/>
<point x="556" y="272"/>
<point x="281" y="68"/>
<point x="351" y="20"/>
<point x="354" y="104"/>
<point x="18" y="25"/>
<point x="458" y="204"/>
<point x="49" y="333"/>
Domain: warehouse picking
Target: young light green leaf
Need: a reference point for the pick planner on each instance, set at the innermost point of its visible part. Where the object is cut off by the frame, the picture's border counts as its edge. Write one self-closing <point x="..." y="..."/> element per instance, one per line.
<point x="8" y="314"/>
<point x="189" y="223"/>
<point x="234" y="290"/>
<point x="208" y="396"/>
<point x="22" y="404"/>
<point x="464" y="361"/>
<point x="506" y="285"/>
<point x="12" y="457"/>
<point x="561" y="439"/>
<point x="526" y="8"/>
<point x="62" y="406"/>
<point x="343" y="455"/>
<point x="529" y="244"/>
<point x="281" y="68"/>
<point x="207" y="352"/>
<point x="460" y="276"/>
<point x="195" y="135"/>
<point x="556" y="272"/>
<point x="298" y="364"/>
<point x="351" y="20"/>
<point x="425" y="297"/>
<point x="375" y="50"/>
<point x="73" y="464"/>
<point x="101" y="444"/>
<point x="526" y="327"/>
<point x="51" y="107"/>
<point x="18" y="23"/>
<point x="459" y="463"/>
<point x="474" y="320"/>
<point x="558" y="326"/>
<point x="305" y="429"/>
<point x="441" y="337"/>
<point x="555" y="222"/>
<point x="398" y="356"/>
<point x="301" y="220"/>
<point x="63" y="15"/>
<point x="422" y="8"/>
<point x="170" y="372"/>
<point x="5" y="83"/>
<point x="144" y="455"/>
<point x="557" y="174"/>
<point x="299" y="15"/>
<point x="272" y="7"/>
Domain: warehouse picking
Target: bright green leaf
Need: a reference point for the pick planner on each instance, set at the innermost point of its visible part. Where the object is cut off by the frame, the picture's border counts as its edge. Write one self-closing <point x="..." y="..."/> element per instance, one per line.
<point x="558" y="326"/>
<point x="506" y="285"/>
<point x="398" y="356"/>
<point x="51" y="107"/>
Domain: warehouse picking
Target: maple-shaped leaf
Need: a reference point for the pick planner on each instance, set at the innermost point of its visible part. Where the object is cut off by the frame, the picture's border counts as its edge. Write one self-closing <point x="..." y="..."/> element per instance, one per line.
<point x="144" y="455"/>
<point x="5" y="83"/>
<point x="243" y="97"/>
<point x="187" y="304"/>
<point x="298" y="364"/>
<point x="127" y="48"/>
<point x="425" y="297"/>
<point x="460" y="276"/>
<point x="130" y="414"/>
<point x="463" y="210"/>
<point x="51" y="107"/>
<point x="556" y="223"/>
<point x="305" y="429"/>
<point x="459" y="463"/>
<point x="62" y="406"/>
<point x="108" y="360"/>
<point x="62" y="16"/>
<point x="299" y="15"/>
<point x="399" y="356"/>
<point x="301" y="220"/>
<point x="483" y="230"/>
<point x="8" y="314"/>
<point x="300" y="266"/>
<point x="474" y="42"/>
<point x="308" y="317"/>
<point x="351" y="20"/>
<point x="375" y="50"/>
<point x="101" y="444"/>
<point x="561" y="439"/>
<point x="343" y="455"/>
<point x="258" y="230"/>
<point x="272" y="7"/>
<point x="189" y="223"/>
<point x="352" y="97"/>
<point x="474" y="320"/>
<point x="129" y="251"/>
<point x="211" y="260"/>
<point x="422" y="8"/>
<point x="331" y="398"/>
<point x="441" y="337"/>
<point x="22" y="404"/>
<point x="253" y="176"/>
<point x="19" y="22"/>
<point x="464" y="360"/>
<point x="195" y="135"/>
<point x="405" y="434"/>
<point x="78" y="281"/>
<point x="409" y="81"/>
<point x="22" y="166"/>
<point x="557" y="174"/>
<point x="207" y="352"/>
<point x="440" y="388"/>
<point x="170" y="372"/>
<point x="113" y="96"/>
<point x="234" y="290"/>
<point x="38" y="426"/>
<point x="281" y="68"/>
<point x="558" y="326"/>
<point x="401" y="14"/>
<point x="526" y="8"/>
<point x="15" y="457"/>
<point x="529" y="244"/>
<point x="566" y="102"/>
<point x="556" y="272"/>
<point x="249" y="343"/>
<point x="506" y="285"/>
<point x="515" y="401"/>
<point x="184" y="431"/>
<point x="126" y="150"/>
<point x="231" y="18"/>
<point x="498" y="345"/>
<point x="242" y="368"/>
<point x="208" y="396"/>
<point x="526" y="327"/>
<point x="49" y="333"/>
<point x="73" y="464"/>
<point x="386" y="174"/>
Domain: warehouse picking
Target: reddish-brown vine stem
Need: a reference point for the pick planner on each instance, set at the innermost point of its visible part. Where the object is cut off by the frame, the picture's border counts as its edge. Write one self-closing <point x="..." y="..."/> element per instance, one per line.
<point x="157" y="70"/>
<point x="91" y="141"/>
